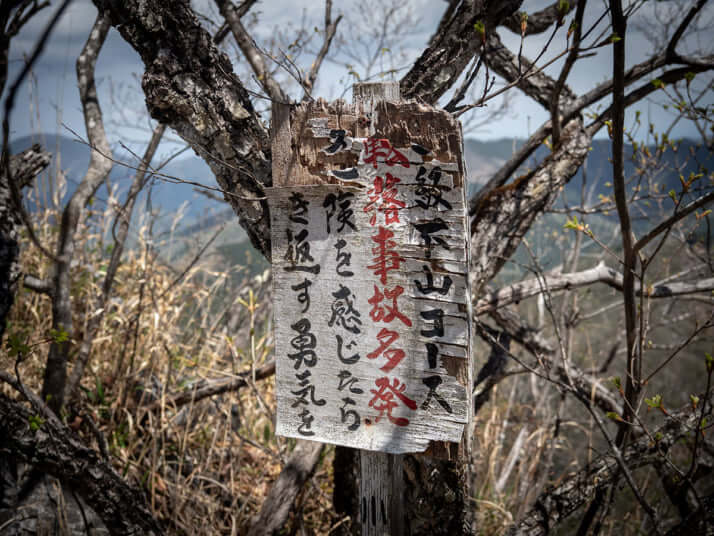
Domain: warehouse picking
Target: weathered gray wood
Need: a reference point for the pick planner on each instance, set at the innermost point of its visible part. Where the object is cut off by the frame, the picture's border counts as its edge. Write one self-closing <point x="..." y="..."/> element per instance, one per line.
<point x="381" y="493"/>
<point x="277" y="505"/>
<point x="311" y="346"/>
<point x="431" y="421"/>
<point x="381" y="482"/>
<point x="354" y="150"/>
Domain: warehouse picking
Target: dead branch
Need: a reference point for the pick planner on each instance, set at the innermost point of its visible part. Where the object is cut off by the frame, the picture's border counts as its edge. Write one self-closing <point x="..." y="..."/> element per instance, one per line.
<point x="330" y="31"/>
<point x="24" y="167"/>
<point x="599" y="274"/>
<point x="53" y="388"/>
<point x="53" y="449"/>
<point x="278" y="503"/>
<point x="557" y="503"/>
<point x="41" y="286"/>
<point x="251" y="52"/>
<point x="214" y="387"/>
<point x="225" y="29"/>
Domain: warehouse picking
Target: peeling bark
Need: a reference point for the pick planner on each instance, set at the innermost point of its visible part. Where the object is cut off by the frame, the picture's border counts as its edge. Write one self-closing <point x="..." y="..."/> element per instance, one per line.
<point x="557" y="503"/>
<point x="190" y="86"/>
<point x="53" y="450"/>
<point x="452" y="47"/>
<point x="24" y="167"/>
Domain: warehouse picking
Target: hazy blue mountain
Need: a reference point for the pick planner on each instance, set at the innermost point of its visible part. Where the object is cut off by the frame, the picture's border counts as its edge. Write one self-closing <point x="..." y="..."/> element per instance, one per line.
<point x="598" y="167"/>
<point x="202" y="215"/>
<point x="72" y="157"/>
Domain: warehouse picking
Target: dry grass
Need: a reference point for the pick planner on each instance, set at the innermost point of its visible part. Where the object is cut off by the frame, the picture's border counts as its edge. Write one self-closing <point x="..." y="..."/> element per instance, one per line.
<point x="205" y="467"/>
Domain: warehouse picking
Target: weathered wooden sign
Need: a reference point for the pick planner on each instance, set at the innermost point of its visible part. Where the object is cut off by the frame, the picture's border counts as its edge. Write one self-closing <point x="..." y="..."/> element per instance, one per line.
<point x="369" y="257"/>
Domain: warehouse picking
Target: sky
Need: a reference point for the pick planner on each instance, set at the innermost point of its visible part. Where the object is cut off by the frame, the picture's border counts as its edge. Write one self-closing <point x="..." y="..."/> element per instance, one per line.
<point x="49" y="101"/>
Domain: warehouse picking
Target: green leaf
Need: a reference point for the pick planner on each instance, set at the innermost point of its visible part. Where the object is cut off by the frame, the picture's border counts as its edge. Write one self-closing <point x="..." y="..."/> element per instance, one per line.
<point x="657" y="83"/>
<point x="695" y="400"/>
<point x="654" y="402"/>
<point x="689" y="77"/>
<point x="572" y="224"/>
<point x="480" y="28"/>
<point x="35" y="422"/>
<point x="614" y="416"/>
<point x="709" y="361"/>
<point x="59" y="335"/>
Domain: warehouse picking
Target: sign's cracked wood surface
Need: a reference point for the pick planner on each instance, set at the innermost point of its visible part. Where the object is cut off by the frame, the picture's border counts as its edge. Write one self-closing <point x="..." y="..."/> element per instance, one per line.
<point x="370" y="260"/>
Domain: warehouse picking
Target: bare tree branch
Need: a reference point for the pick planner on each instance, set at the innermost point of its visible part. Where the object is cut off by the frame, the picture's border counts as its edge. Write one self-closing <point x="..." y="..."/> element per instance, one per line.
<point x="190" y="86"/>
<point x="679" y="32"/>
<point x="330" y="31"/>
<point x="13" y="16"/>
<point x="251" y="52"/>
<point x="598" y="274"/>
<point x="537" y="22"/>
<point x="14" y="188"/>
<point x="213" y="388"/>
<point x="452" y="47"/>
<point x="279" y="501"/>
<point x="55" y="376"/>
<point x="53" y="449"/>
<point x="557" y="503"/>
<point x="42" y="286"/>
<point x="505" y="214"/>
<point x="587" y="386"/>
<point x="225" y="29"/>
<point x="534" y="83"/>
<point x="674" y="218"/>
<point x="565" y="71"/>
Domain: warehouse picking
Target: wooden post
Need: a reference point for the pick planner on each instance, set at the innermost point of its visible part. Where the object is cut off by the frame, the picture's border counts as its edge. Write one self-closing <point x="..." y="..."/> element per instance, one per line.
<point x="368" y="207"/>
<point x="381" y="475"/>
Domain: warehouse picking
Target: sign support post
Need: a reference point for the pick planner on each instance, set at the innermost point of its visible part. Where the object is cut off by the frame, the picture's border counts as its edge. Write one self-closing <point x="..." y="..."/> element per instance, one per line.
<point x="381" y="483"/>
<point x="370" y="271"/>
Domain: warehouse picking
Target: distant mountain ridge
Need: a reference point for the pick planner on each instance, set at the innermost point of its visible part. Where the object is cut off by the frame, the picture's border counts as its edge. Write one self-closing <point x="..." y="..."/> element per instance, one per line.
<point x="201" y="216"/>
<point x="72" y="156"/>
<point x="483" y="158"/>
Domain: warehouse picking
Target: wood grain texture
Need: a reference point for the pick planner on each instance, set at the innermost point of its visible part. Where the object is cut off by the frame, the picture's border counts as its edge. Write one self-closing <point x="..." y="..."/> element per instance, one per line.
<point x="279" y="501"/>
<point x="330" y="156"/>
<point x="381" y="494"/>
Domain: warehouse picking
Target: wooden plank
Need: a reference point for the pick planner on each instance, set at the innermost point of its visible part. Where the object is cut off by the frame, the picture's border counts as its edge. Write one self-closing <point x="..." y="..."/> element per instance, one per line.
<point x="344" y="191"/>
<point x="381" y="494"/>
